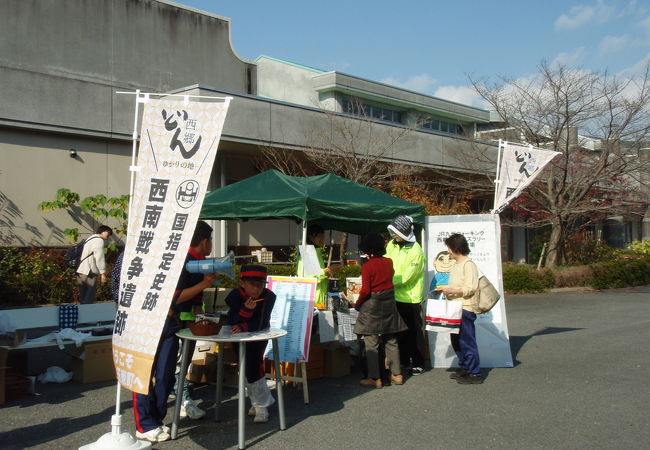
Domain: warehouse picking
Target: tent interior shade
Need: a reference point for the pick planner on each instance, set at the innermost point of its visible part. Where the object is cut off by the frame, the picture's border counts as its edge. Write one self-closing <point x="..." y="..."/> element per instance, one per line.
<point x="330" y="201"/>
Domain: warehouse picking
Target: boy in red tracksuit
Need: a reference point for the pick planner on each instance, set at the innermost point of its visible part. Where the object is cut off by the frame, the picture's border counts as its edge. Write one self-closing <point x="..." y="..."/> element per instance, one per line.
<point x="250" y="310"/>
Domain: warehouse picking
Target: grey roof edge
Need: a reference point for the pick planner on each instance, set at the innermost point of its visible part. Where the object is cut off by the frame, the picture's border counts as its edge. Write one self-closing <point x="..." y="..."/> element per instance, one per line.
<point x="216" y="16"/>
<point x="301" y="66"/>
<point x="335" y="85"/>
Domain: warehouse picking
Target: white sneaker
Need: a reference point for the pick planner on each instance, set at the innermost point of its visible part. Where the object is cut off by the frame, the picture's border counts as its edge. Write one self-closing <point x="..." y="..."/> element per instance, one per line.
<point x="261" y="414"/>
<point x="155" y="435"/>
<point x="189" y="409"/>
<point x="252" y="412"/>
<point x="166" y="429"/>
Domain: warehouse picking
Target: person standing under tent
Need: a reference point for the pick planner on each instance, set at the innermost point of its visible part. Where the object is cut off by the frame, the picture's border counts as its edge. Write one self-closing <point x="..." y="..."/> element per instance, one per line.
<point x="378" y="321"/>
<point x="316" y="237"/>
<point x="250" y="310"/>
<point x="408" y="262"/>
<point x="149" y="410"/>
<point x="463" y="286"/>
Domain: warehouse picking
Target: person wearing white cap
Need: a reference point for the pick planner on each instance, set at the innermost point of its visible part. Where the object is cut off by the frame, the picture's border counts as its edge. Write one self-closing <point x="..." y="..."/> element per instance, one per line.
<point x="408" y="262"/>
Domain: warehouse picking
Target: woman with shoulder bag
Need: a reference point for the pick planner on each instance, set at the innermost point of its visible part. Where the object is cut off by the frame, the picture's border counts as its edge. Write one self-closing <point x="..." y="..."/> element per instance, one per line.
<point x="463" y="286"/>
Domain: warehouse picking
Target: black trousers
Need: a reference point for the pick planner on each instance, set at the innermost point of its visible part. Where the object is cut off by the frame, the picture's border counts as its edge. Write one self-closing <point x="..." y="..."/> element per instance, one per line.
<point x="254" y="359"/>
<point x="411" y="340"/>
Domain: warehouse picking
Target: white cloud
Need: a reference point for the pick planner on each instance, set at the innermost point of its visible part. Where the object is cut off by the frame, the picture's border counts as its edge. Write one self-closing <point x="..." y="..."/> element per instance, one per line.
<point x="637" y="69"/>
<point x="461" y="94"/>
<point x="613" y="44"/>
<point x="582" y="14"/>
<point x="645" y="24"/>
<point x="419" y="83"/>
<point x="636" y="72"/>
<point x="569" y="58"/>
<point x="632" y="9"/>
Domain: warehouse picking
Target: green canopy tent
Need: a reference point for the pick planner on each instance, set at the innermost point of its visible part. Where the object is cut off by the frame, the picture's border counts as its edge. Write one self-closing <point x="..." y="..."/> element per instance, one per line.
<point x="330" y="201"/>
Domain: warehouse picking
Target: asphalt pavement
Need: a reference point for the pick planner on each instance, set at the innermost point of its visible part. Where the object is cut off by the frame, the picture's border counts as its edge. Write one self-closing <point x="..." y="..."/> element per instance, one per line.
<point x="580" y="380"/>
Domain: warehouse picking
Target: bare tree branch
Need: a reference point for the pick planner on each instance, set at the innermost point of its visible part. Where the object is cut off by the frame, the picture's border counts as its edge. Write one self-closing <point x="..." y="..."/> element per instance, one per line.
<point x="601" y="172"/>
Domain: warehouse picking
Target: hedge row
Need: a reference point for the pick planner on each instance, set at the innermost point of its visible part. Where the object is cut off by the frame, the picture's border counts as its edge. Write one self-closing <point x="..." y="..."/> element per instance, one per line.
<point x="38" y="276"/>
<point x="617" y="273"/>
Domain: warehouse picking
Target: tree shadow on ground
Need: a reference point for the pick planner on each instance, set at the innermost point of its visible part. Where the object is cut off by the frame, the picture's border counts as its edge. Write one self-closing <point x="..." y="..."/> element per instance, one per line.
<point x="517" y="342"/>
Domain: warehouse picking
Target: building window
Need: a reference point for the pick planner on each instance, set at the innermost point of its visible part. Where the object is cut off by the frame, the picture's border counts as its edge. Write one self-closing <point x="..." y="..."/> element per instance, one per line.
<point x="441" y="125"/>
<point x="357" y="107"/>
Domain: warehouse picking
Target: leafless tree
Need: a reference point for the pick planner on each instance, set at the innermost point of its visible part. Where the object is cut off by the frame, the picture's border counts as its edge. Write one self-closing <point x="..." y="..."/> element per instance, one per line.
<point x="360" y="148"/>
<point x="599" y="122"/>
<point x="357" y="146"/>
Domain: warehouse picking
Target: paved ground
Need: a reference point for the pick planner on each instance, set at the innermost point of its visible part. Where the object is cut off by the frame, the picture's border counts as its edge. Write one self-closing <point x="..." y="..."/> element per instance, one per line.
<point x="580" y="381"/>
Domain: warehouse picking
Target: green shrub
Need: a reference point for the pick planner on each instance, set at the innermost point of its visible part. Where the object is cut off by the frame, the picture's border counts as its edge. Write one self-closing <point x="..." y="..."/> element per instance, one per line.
<point x="522" y="278"/>
<point x="641" y="247"/>
<point x="617" y="274"/>
<point x="573" y="276"/>
<point x="33" y="277"/>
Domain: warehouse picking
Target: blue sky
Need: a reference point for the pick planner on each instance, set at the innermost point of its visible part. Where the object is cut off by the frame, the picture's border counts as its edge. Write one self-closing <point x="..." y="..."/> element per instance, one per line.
<point x="431" y="46"/>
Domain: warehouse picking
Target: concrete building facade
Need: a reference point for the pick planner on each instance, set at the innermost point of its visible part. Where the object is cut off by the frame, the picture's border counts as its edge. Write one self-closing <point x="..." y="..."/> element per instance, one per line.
<point x="61" y="64"/>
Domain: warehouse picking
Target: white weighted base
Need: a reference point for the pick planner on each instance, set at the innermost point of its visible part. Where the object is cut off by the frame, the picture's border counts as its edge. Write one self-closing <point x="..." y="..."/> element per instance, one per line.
<point x="116" y="440"/>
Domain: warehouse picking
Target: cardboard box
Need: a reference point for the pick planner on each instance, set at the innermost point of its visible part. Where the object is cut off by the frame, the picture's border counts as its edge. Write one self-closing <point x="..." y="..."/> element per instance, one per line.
<point x="229" y="355"/>
<point x="337" y="362"/>
<point x="93" y="363"/>
<point x="314" y="370"/>
<point x="203" y="370"/>
<point x="16" y="387"/>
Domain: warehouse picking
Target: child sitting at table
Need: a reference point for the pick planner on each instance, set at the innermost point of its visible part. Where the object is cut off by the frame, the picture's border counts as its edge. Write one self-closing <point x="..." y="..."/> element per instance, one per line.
<point x="250" y="310"/>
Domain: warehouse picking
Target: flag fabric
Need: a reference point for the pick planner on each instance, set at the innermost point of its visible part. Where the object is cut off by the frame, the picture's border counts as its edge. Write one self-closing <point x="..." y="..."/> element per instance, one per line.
<point x="178" y="145"/>
<point x="520" y="165"/>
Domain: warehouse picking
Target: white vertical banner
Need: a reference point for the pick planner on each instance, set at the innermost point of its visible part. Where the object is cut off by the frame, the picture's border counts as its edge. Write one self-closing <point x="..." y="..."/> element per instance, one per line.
<point x="483" y="234"/>
<point x="520" y="165"/>
<point x="178" y="145"/>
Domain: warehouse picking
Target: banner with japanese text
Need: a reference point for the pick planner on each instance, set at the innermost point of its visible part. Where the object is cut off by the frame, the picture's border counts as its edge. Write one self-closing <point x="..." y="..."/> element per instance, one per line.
<point x="483" y="234"/>
<point x="520" y="165"/>
<point x="178" y="145"/>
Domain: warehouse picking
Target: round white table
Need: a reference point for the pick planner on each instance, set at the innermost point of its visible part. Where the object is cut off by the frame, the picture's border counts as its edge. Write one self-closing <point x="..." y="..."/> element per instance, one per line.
<point x="241" y="338"/>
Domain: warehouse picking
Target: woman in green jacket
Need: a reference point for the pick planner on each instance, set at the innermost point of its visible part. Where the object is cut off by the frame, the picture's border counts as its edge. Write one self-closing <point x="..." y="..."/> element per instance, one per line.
<point x="408" y="262"/>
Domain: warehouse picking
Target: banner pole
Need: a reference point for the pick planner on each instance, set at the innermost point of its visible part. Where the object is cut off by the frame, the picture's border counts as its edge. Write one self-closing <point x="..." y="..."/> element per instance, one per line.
<point x="116" y="439"/>
<point x="497" y="180"/>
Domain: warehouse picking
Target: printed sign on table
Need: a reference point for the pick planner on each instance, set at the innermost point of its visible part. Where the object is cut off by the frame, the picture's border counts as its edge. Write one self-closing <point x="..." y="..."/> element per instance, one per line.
<point x="178" y="145"/>
<point x="293" y="312"/>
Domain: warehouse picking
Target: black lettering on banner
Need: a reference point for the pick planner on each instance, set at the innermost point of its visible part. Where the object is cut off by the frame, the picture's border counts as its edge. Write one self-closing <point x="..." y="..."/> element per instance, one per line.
<point x="180" y="220"/>
<point x="150" y="301"/>
<point x="166" y="262"/>
<point x="120" y="322"/>
<point x="173" y="241"/>
<point x="171" y="124"/>
<point x="158" y="280"/>
<point x="158" y="190"/>
<point x="135" y="268"/>
<point x="126" y="294"/>
<point x="151" y="216"/>
<point x="144" y="242"/>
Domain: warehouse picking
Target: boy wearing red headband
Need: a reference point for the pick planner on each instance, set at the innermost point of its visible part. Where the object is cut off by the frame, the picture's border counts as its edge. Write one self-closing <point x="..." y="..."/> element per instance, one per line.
<point x="250" y="310"/>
